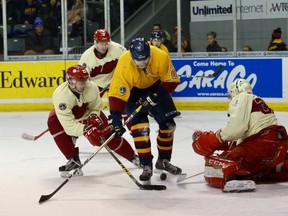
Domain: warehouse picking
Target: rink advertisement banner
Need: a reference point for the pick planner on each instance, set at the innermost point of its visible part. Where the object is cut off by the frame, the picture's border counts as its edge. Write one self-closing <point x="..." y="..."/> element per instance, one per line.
<point x="31" y="79"/>
<point x="246" y="9"/>
<point x="265" y="76"/>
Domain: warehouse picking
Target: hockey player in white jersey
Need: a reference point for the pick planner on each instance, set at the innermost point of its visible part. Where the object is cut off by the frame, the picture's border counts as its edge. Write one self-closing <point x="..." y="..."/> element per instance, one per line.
<point x="101" y="59"/>
<point x="78" y="111"/>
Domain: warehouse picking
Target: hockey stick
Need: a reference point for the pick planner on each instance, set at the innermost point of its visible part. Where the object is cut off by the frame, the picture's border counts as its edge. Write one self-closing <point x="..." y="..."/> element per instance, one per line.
<point x="44" y="198"/>
<point x="141" y="186"/>
<point x="183" y="177"/>
<point x="31" y="137"/>
<point x="216" y="72"/>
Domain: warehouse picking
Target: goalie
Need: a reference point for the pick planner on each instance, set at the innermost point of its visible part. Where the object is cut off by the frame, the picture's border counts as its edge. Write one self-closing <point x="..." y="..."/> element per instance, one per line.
<point x="254" y="145"/>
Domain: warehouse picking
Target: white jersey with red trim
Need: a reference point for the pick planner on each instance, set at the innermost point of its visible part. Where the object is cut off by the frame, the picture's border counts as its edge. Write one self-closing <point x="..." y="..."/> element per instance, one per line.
<point x="101" y="69"/>
<point x="247" y="115"/>
<point x="72" y="107"/>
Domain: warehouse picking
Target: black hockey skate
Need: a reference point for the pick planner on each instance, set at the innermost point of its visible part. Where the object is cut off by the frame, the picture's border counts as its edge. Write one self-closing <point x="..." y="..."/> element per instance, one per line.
<point x="73" y="164"/>
<point x="165" y="165"/>
<point x="146" y="174"/>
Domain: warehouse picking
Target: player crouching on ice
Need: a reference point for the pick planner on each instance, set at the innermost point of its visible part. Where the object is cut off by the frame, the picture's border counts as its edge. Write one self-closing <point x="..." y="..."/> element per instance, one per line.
<point x="254" y="145"/>
<point x="78" y="111"/>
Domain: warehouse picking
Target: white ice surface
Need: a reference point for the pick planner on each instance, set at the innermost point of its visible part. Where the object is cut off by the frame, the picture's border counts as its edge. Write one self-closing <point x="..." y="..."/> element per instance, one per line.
<point x="30" y="169"/>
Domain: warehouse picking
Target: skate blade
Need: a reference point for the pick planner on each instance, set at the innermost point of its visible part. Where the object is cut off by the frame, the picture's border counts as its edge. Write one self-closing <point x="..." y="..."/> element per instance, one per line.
<point x="66" y="174"/>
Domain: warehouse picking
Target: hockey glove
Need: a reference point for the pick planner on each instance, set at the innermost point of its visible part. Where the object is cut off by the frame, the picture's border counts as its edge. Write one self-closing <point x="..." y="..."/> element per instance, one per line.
<point x="149" y="101"/>
<point x="94" y="135"/>
<point x="115" y="119"/>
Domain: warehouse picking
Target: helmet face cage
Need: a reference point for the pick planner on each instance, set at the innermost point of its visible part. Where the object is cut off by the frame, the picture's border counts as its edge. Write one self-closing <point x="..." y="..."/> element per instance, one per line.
<point x="139" y="49"/>
<point x="238" y="86"/>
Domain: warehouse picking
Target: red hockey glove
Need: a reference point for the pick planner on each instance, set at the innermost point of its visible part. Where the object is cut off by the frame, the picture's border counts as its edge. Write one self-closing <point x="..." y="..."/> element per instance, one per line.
<point x="205" y="143"/>
<point x="95" y="136"/>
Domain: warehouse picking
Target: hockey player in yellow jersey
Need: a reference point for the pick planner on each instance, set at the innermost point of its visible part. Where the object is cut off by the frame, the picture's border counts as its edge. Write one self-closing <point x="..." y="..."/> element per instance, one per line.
<point x="156" y="39"/>
<point x="145" y="75"/>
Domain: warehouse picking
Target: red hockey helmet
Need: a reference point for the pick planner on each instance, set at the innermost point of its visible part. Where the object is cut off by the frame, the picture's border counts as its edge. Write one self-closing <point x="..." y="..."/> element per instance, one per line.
<point x="77" y="72"/>
<point x="101" y="35"/>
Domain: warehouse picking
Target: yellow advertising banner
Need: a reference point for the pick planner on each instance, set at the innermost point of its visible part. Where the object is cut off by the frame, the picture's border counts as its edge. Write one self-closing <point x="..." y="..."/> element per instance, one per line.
<point x="30" y="85"/>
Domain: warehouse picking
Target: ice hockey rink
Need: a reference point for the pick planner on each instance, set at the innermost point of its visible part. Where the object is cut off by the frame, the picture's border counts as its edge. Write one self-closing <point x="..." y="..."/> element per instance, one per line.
<point x="29" y="169"/>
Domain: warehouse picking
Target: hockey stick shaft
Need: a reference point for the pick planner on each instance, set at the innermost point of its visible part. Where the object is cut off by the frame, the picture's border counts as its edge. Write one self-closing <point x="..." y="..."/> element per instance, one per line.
<point x="216" y="72"/>
<point x="141" y="186"/>
<point x="44" y="198"/>
<point x="183" y="177"/>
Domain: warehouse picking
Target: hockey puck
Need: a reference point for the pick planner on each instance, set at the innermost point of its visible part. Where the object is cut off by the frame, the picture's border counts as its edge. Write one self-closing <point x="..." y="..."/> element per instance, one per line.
<point x="163" y="176"/>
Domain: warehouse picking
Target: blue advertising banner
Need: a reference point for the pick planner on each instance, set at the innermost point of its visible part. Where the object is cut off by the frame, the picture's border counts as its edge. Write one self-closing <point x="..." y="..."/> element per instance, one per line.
<point x="264" y="75"/>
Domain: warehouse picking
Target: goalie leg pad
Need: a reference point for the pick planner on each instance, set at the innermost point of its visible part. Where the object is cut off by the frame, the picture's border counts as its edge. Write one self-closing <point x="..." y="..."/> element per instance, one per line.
<point x="205" y="143"/>
<point x="218" y="171"/>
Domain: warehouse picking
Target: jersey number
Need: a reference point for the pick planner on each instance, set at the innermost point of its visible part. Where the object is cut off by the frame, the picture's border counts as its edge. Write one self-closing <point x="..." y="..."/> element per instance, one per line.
<point x="260" y="106"/>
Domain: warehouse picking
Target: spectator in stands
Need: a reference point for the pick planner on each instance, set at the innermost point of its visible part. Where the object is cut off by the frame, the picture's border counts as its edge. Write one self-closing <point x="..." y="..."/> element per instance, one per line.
<point x="49" y="22"/>
<point x="156" y="27"/>
<point x="29" y="12"/>
<point x="39" y="41"/>
<point x="11" y="12"/>
<point x="78" y="28"/>
<point x="212" y="42"/>
<point x="277" y="43"/>
<point x="185" y="44"/>
<point x="54" y="10"/>
<point x="77" y="9"/>
<point x="247" y="48"/>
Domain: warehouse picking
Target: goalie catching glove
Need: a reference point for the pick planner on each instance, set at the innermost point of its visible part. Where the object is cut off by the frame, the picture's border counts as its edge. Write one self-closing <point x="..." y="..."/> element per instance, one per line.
<point x="205" y="143"/>
<point x="149" y="101"/>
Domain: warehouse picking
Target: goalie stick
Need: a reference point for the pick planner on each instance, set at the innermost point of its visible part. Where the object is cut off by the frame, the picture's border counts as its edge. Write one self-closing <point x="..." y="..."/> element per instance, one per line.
<point x="33" y="137"/>
<point x="44" y="198"/>
<point x="183" y="177"/>
<point x="141" y="186"/>
<point x="216" y="72"/>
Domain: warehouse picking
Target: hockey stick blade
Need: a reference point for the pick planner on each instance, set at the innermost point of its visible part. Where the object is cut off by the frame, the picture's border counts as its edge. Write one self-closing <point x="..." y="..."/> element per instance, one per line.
<point x="141" y="186"/>
<point x="153" y="187"/>
<point x="183" y="177"/>
<point x="31" y="137"/>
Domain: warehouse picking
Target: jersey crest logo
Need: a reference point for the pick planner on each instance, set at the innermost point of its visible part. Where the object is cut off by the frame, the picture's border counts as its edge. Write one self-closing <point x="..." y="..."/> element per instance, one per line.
<point x="62" y="106"/>
<point x="173" y="74"/>
<point x="122" y="90"/>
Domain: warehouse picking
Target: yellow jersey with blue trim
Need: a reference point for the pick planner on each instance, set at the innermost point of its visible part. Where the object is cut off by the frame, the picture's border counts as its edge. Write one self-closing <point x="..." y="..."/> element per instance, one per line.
<point x="127" y="75"/>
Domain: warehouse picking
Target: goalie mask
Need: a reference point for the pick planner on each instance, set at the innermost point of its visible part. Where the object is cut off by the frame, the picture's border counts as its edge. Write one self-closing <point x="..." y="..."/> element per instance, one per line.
<point x="239" y="86"/>
<point x="77" y="78"/>
<point x="101" y="40"/>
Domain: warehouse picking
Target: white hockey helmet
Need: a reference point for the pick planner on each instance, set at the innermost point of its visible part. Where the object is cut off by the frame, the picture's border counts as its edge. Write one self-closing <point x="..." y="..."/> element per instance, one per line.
<point x="238" y="86"/>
